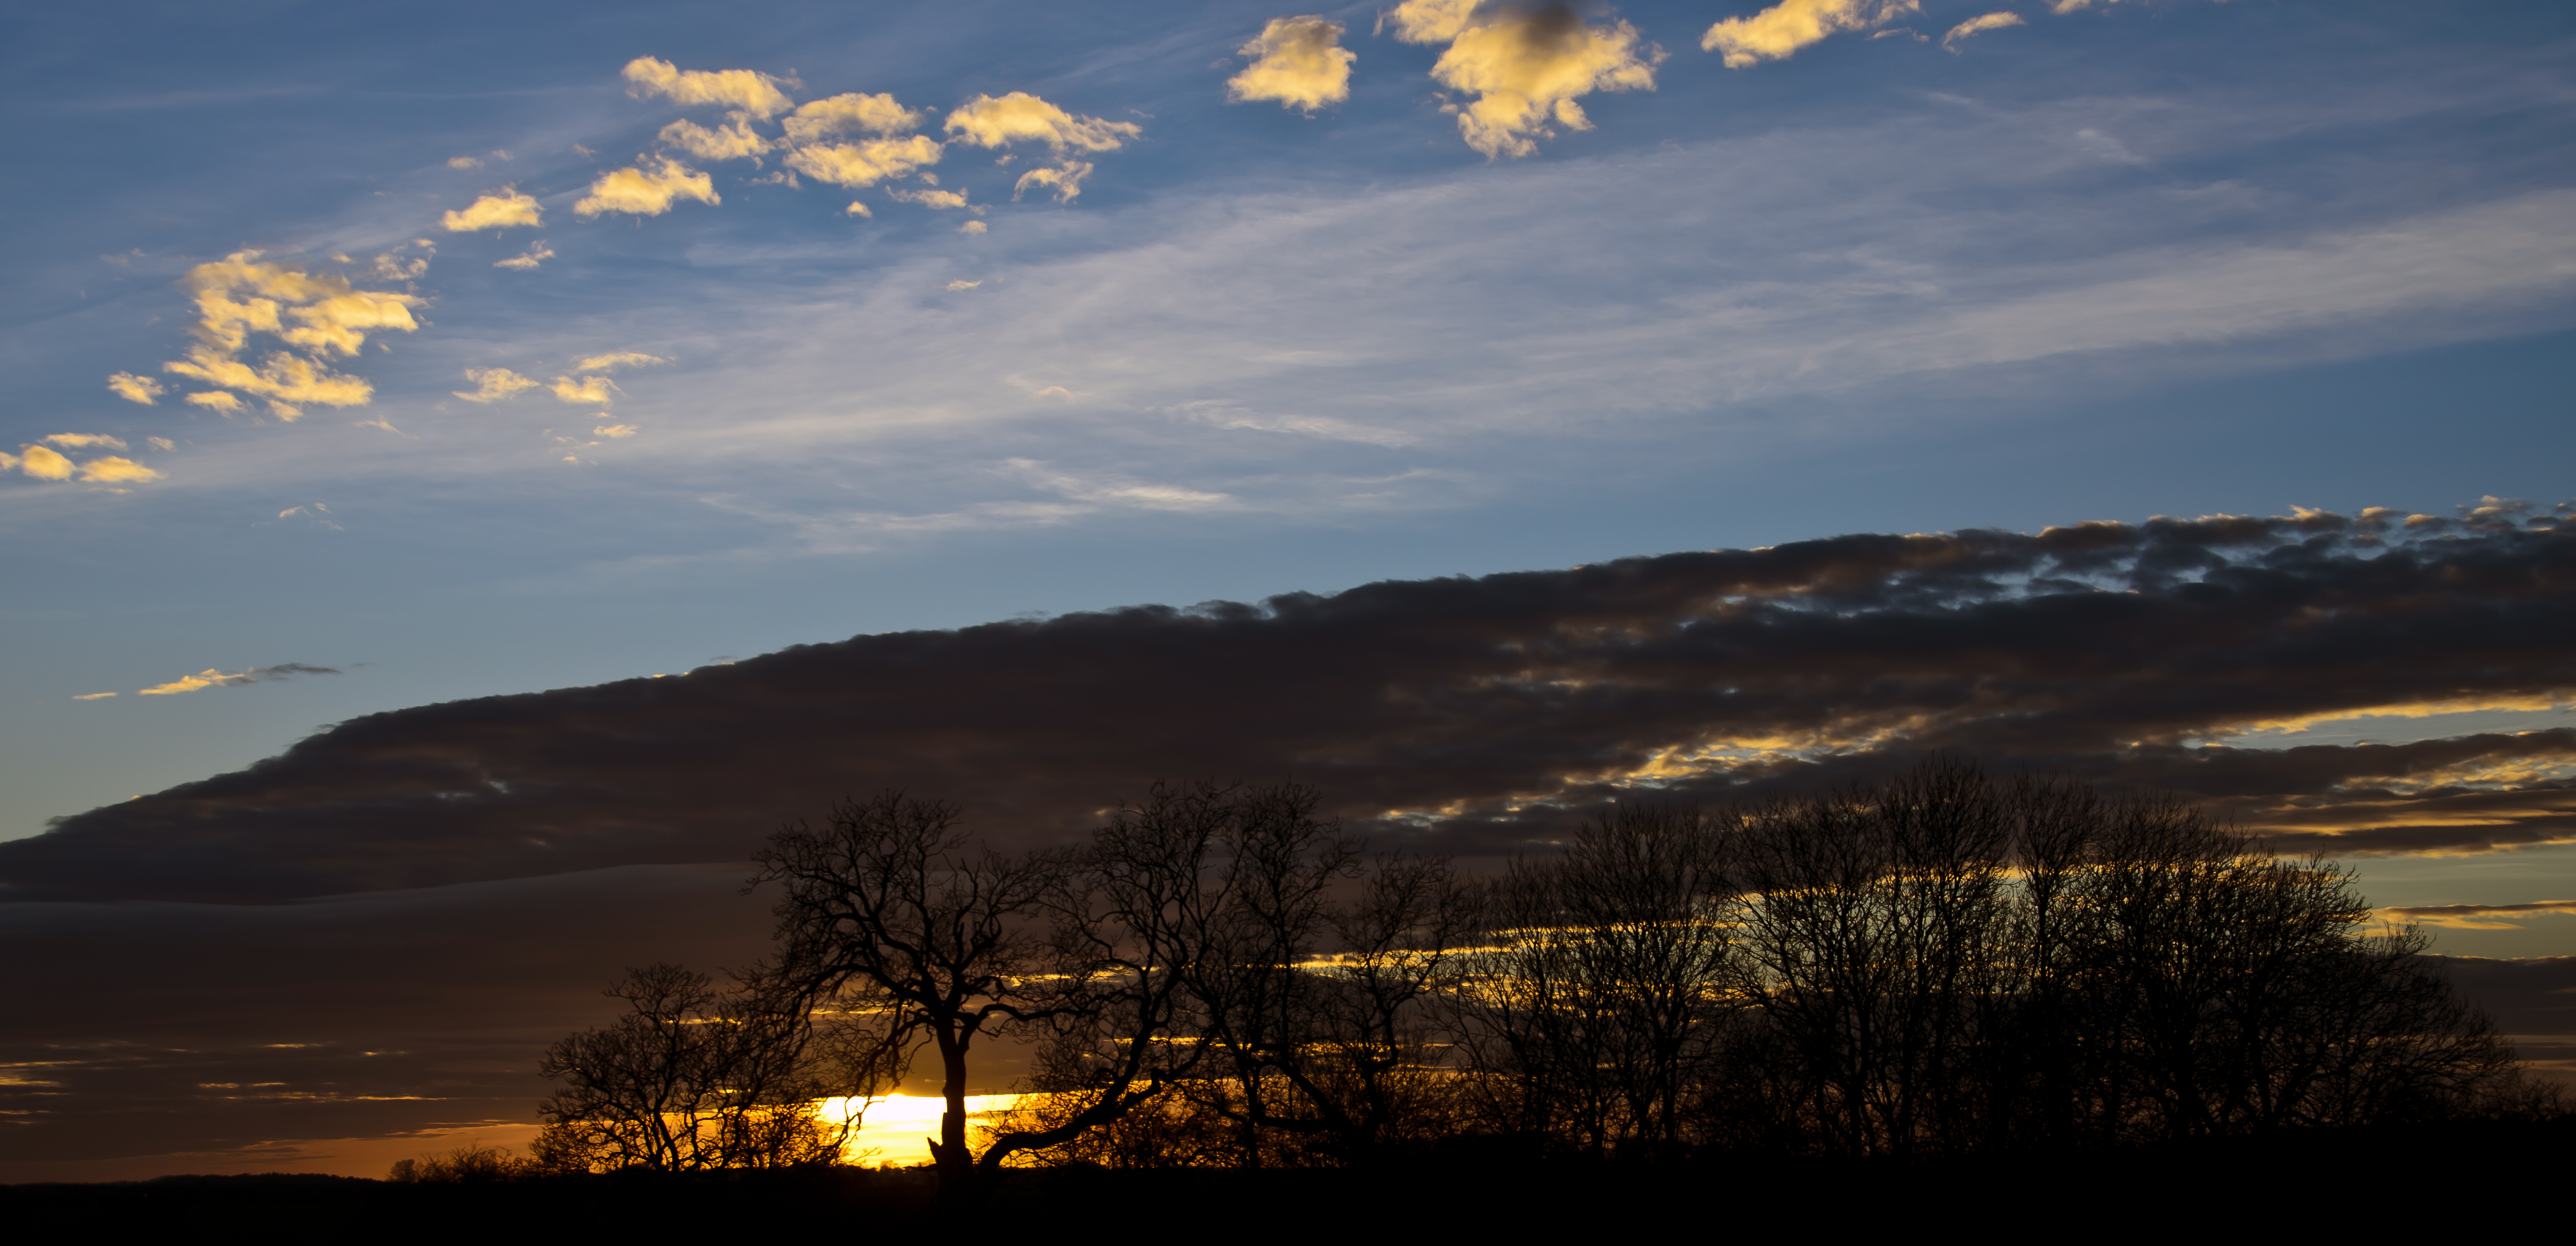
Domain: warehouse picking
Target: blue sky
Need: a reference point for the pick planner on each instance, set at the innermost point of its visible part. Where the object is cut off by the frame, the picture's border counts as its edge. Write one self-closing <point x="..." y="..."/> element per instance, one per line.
<point x="2134" y="258"/>
<point x="590" y="370"/>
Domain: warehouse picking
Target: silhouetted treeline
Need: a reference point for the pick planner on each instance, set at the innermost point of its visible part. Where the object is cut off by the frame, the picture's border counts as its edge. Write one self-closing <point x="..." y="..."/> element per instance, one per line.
<point x="1938" y="964"/>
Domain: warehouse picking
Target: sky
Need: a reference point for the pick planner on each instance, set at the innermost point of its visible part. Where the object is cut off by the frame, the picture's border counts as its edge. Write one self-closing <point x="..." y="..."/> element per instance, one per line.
<point x="422" y="424"/>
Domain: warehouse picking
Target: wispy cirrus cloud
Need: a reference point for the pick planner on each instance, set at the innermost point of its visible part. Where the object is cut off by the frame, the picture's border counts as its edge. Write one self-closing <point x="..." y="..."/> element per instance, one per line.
<point x="213" y="678"/>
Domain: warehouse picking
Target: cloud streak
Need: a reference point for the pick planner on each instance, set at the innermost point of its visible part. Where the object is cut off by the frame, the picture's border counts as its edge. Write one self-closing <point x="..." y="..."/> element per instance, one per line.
<point x="1478" y="715"/>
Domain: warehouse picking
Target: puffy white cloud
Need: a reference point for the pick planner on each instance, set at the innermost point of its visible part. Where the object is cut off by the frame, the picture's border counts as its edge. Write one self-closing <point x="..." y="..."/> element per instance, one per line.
<point x="990" y="122"/>
<point x="646" y="193"/>
<point x="616" y="359"/>
<point x="536" y="254"/>
<point x="1778" y="32"/>
<point x="1526" y="67"/>
<point x="731" y="141"/>
<point x="877" y="114"/>
<point x="78" y="441"/>
<point x="43" y="463"/>
<point x="1064" y="179"/>
<point x="242" y="294"/>
<point x="132" y="388"/>
<point x="749" y="91"/>
<point x="113" y="469"/>
<point x="216" y="400"/>
<point x="501" y="209"/>
<point x="1298" y="61"/>
<point x="588" y="391"/>
<point x="493" y="385"/>
<point x="1980" y="25"/>
<point x="866" y="163"/>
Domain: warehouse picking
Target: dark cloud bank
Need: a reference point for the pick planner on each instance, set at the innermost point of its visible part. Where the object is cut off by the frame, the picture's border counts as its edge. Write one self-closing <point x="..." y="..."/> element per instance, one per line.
<point x="490" y="862"/>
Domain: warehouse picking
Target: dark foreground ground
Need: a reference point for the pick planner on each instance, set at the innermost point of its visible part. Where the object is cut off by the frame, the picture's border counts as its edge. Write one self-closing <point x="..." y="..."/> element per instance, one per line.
<point x="2452" y="1177"/>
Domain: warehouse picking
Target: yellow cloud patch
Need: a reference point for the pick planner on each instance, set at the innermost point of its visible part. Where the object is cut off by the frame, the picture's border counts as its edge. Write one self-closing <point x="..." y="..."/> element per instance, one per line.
<point x="971" y="227"/>
<point x="646" y="193"/>
<point x="501" y="209"/>
<point x="732" y="141"/>
<point x="990" y="122"/>
<point x="78" y="441"/>
<point x="1980" y="25"/>
<point x="1776" y="33"/>
<point x="843" y="114"/>
<point x="216" y="400"/>
<point x="748" y="90"/>
<point x="209" y="678"/>
<point x="1526" y="67"/>
<point x="44" y="464"/>
<point x="614" y="430"/>
<point x="1064" y="179"/>
<point x="493" y="385"/>
<point x="588" y="391"/>
<point x="527" y="259"/>
<point x="463" y="162"/>
<point x="93" y="696"/>
<point x="161" y="443"/>
<point x="115" y="470"/>
<point x="132" y="388"/>
<point x="1298" y="61"/>
<point x="242" y="294"/>
<point x="616" y="359"/>
<point x="867" y="163"/>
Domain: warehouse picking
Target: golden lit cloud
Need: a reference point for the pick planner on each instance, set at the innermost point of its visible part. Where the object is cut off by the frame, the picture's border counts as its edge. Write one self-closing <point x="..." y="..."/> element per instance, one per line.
<point x="44" y="464"/>
<point x="1526" y="67"/>
<point x="208" y="678"/>
<point x="1298" y="61"/>
<point x="132" y="388"/>
<point x="242" y="294"/>
<point x="732" y="141"/>
<point x="93" y="696"/>
<point x="501" y="209"/>
<point x="857" y="208"/>
<point x="493" y="385"/>
<point x="647" y="193"/>
<point x="115" y="470"/>
<point x="217" y="400"/>
<point x="588" y="391"/>
<point x="843" y="114"/>
<point x="867" y="163"/>
<point x="971" y="227"/>
<point x="1980" y="25"/>
<point x="962" y="284"/>
<point x="1778" y="32"/>
<point x="747" y="90"/>
<point x="1065" y="180"/>
<point x="525" y="260"/>
<point x="161" y="443"/>
<point x="2480" y="916"/>
<point x="616" y="359"/>
<point x="463" y="162"/>
<point x="989" y="122"/>
<point x="79" y="441"/>
<point x="614" y="430"/>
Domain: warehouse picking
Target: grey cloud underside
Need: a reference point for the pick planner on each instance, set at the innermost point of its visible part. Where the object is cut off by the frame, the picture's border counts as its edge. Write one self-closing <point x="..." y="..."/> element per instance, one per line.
<point x="1478" y="716"/>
